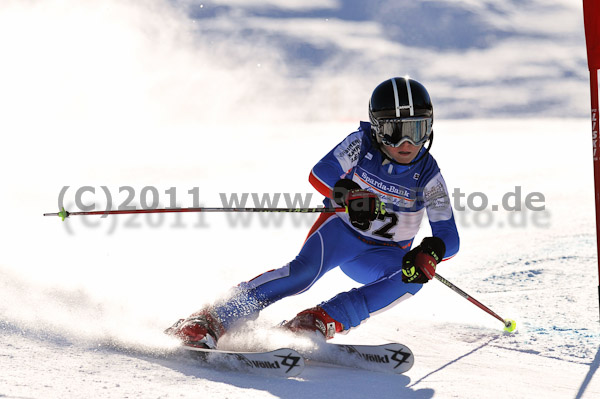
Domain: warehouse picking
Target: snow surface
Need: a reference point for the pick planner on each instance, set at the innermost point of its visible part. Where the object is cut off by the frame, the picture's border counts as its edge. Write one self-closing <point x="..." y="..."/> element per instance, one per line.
<point x="83" y="309"/>
<point x="130" y="101"/>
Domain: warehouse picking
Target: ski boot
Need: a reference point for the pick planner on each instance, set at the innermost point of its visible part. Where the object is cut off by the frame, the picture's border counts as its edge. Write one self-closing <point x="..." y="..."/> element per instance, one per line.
<point x="314" y="319"/>
<point x="201" y="330"/>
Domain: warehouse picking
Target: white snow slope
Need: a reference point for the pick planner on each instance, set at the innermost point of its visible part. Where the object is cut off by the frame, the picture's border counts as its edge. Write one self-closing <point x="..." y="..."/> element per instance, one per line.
<point x="83" y="303"/>
<point x="83" y="307"/>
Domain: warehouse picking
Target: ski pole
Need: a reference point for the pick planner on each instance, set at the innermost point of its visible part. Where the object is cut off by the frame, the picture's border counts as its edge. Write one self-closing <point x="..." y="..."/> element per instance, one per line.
<point x="63" y="214"/>
<point x="509" y="325"/>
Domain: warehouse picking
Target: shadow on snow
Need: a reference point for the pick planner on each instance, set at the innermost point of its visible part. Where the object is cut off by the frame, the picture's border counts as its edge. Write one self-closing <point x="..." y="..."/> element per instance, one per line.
<point x="593" y="367"/>
<point x="315" y="381"/>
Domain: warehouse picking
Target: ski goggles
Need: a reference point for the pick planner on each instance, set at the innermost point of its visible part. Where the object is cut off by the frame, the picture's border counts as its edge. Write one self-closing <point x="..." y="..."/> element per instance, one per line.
<point x="394" y="132"/>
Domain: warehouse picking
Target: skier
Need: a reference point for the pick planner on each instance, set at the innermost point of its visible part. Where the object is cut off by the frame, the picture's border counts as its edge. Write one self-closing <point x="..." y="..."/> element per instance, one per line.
<point x="386" y="179"/>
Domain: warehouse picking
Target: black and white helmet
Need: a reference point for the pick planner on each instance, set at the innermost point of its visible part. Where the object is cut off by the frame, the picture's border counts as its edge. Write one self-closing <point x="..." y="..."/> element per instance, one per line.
<point x="400" y="110"/>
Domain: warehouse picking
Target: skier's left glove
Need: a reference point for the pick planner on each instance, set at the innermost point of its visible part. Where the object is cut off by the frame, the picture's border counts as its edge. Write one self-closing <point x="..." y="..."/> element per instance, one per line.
<point x="362" y="206"/>
<point x="418" y="265"/>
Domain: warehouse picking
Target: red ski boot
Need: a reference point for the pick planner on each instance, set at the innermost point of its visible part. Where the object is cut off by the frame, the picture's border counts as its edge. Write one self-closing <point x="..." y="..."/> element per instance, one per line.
<point x="314" y="319"/>
<point x="201" y="330"/>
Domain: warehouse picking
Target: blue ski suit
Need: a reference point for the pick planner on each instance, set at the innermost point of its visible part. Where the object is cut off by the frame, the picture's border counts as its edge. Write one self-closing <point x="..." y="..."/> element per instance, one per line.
<point x="371" y="256"/>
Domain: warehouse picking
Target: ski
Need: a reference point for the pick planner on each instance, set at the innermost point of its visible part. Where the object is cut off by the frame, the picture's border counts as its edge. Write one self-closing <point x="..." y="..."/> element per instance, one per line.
<point x="285" y="362"/>
<point x="280" y="362"/>
<point x="390" y="358"/>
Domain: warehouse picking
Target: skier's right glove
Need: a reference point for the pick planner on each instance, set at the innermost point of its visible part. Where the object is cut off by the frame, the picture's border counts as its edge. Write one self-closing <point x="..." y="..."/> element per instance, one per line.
<point x="362" y="206"/>
<point x="418" y="265"/>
